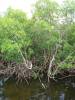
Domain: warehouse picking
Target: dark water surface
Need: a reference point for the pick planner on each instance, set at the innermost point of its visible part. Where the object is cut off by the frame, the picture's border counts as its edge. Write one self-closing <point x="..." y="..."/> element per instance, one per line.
<point x="56" y="91"/>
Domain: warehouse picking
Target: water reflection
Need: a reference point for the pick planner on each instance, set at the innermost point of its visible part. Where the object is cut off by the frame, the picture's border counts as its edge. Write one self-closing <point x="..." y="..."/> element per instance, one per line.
<point x="62" y="96"/>
<point x="41" y="96"/>
<point x="2" y="96"/>
<point x="10" y="91"/>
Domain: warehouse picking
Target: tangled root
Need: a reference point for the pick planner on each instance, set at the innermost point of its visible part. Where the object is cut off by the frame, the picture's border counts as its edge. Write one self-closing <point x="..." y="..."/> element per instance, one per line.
<point x="21" y="71"/>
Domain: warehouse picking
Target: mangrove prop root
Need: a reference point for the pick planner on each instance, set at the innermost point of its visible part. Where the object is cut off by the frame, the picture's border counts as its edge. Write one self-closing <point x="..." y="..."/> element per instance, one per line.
<point x="19" y="70"/>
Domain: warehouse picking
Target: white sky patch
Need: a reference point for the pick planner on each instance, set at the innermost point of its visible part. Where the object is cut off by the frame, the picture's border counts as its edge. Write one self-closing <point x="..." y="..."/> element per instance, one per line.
<point x="25" y="5"/>
<point x="60" y="1"/>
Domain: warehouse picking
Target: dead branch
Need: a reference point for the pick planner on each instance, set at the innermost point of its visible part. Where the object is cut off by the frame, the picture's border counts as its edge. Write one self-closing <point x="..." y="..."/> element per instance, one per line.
<point x="50" y="74"/>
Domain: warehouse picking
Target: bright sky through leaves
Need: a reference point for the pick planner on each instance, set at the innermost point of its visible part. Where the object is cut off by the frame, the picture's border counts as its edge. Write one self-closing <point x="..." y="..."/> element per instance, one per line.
<point x="25" y="5"/>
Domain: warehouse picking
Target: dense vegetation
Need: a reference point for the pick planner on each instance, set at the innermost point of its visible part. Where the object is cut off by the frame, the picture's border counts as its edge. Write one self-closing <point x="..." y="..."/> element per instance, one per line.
<point x="47" y="39"/>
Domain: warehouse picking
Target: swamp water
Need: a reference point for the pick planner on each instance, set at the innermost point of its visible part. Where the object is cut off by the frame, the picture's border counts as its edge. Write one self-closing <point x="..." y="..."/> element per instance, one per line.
<point x="56" y="91"/>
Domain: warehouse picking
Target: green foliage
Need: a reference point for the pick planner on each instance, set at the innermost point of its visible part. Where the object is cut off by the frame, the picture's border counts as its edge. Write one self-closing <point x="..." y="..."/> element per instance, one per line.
<point x="46" y="10"/>
<point x="10" y="50"/>
<point x="12" y="32"/>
